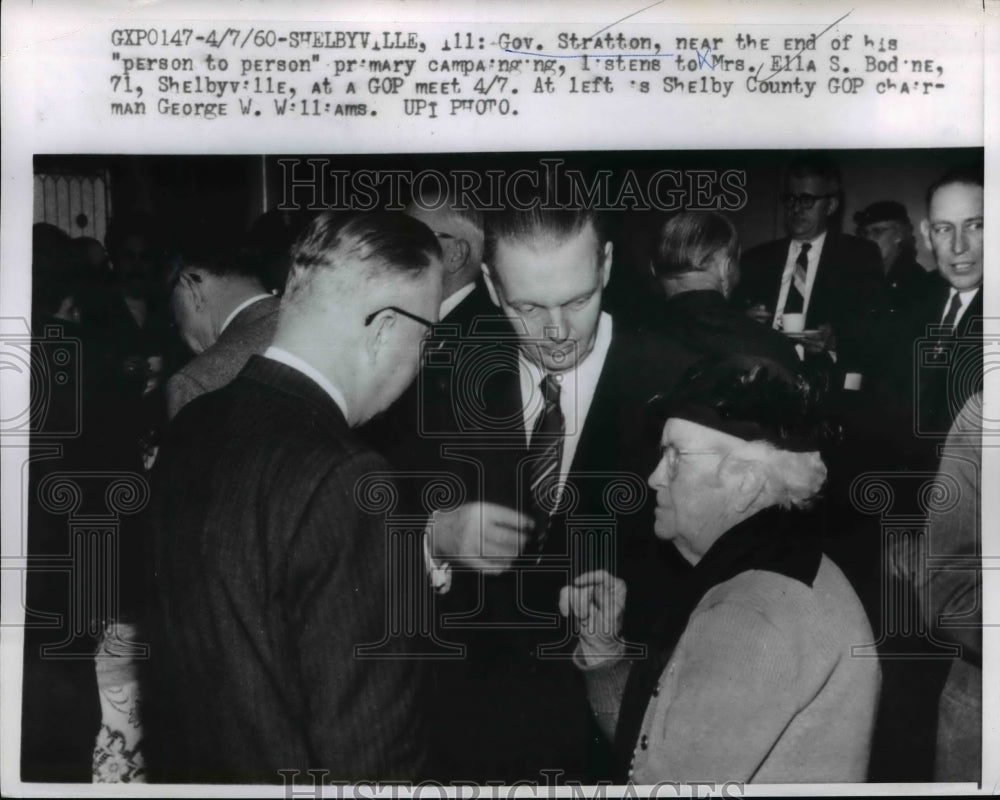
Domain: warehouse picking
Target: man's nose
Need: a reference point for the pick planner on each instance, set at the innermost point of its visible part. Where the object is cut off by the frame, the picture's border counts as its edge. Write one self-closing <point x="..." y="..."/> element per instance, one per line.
<point x="556" y="327"/>
<point x="959" y="242"/>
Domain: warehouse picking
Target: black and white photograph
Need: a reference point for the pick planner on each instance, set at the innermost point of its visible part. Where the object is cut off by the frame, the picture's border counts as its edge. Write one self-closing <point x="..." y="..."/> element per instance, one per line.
<point x="351" y="463"/>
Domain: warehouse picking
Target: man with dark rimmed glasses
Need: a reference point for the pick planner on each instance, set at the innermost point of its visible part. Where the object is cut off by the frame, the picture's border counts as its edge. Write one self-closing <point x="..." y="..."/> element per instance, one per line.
<point x="270" y="569"/>
<point x="828" y="277"/>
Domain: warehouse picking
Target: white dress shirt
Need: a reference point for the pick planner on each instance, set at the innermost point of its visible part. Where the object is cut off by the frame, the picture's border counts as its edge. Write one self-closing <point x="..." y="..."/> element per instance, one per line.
<point x="245" y="304"/>
<point x="576" y="391"/>
<point x="307" y="369"/>
<point x="965" y="298"/>
<point x="451" y="301"/>
<point x="812" y="257"/>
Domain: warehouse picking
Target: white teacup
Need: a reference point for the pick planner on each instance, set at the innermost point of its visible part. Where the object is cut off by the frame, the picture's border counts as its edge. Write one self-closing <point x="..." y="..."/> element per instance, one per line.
<point x="793" y="323"/>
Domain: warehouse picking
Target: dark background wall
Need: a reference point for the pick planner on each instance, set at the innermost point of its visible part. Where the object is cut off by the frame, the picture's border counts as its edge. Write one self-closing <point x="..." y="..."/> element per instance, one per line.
<point x="231" y="191"/>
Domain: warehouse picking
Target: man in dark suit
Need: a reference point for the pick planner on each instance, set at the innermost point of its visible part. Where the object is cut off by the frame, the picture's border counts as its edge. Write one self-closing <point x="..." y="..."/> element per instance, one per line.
<point x="225" y="316"/>
<point x="543" y="425"/>
<point x="696" y="261"/>
<point x="270" y="567"/>
<point x="831" y="278"/>
<point x="466" y="304"/>
<point x="953" y="231"/>
<point x="936" y="362"/>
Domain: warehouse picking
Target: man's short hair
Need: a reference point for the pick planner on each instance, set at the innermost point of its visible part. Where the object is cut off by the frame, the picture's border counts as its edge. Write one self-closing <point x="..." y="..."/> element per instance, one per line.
<point x="817" y="165"/>
<point x="355" y="246"/>
<point x="433" y="198"/>
<point x="687" y="240"/>
<point x="539" y="222"/>
<point x="204" y="245"/>
<point x="968" y="174"/>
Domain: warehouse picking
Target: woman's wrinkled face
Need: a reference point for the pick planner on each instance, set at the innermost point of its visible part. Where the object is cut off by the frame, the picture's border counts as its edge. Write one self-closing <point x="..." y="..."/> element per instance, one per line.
<point x="693" y="494"/>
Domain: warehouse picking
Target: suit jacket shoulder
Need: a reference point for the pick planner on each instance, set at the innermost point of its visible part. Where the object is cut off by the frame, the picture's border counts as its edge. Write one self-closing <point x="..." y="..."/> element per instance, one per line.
<point x="250" y="333"/>
<point x="760" y="274"/>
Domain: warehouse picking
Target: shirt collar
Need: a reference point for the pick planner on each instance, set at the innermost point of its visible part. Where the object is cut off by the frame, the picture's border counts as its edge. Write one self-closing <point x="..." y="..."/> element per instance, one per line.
<point x="588" y="370"/>
<point x="817" y="243"/>
<point x="307" y="369"/>
<point x="966" y="294"/>
<point x="245" y="304"/>
<point x="451" y="301"/>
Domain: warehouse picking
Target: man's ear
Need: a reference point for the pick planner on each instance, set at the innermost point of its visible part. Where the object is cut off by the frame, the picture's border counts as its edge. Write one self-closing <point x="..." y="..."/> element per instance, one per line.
<point x="378" y="334"/>
<point x="606" y="259"/>
<point x="459" y="255"/>
<point x="195" y="283"/>
<point x="925" y="233"/>
<point x="489" y="285"/>
<point x="834" y="205"/>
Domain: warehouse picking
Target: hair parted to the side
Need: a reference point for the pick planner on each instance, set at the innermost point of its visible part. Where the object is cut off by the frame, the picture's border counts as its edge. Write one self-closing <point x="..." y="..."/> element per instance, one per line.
<point x="360" y="246"/>
<point x="534" y="221"/>
<point x="688" y="240"/>
<point x="968" y="174"/>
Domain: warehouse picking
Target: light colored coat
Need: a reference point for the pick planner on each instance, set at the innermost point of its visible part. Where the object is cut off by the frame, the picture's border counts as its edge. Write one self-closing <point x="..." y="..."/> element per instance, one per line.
<point x="762" y="687"/>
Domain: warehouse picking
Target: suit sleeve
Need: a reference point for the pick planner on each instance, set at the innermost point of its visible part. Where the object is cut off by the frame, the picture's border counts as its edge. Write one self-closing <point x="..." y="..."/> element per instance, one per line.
<point x="181" y="390"/>
<point x="363" y="716"/>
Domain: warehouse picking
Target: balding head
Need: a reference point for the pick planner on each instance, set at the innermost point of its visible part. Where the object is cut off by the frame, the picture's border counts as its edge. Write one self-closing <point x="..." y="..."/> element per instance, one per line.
<point x="459" y="230"/>
<point x="360" y="291"/>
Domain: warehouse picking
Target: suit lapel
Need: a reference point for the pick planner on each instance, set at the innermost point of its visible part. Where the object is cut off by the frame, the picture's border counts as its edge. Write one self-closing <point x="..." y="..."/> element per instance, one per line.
<point x="823" y="284"/>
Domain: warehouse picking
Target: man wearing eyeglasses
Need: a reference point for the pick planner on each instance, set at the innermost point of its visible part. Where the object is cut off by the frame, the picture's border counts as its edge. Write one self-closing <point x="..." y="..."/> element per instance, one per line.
<point x="545" y="423"/>
<point x="269" y="572"/>
<point x="828" y="277"/>
<point x="223" y="315"/>
<point x="466" y="303"/>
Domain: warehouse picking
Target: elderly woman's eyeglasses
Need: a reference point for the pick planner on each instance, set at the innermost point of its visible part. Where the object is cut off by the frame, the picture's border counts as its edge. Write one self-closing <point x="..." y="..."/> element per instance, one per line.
<point x="405" y="313"/>
<point x="671" y="456"/>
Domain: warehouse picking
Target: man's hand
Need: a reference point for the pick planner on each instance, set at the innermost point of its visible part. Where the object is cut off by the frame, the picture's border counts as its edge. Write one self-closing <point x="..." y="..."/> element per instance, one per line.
<point x="761" y="313"/>
<point x="823" y="341"/>
<point x="484" y="536"/>
<point x="596" y="601"/>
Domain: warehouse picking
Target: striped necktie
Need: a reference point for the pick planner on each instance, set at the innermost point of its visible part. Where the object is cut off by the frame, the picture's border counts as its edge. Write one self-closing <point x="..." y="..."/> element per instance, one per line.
<point x="952" y="313"/>
<point x="545" y="458"/>
<point x="795" y="303"/>
<point x="947" y="328"/>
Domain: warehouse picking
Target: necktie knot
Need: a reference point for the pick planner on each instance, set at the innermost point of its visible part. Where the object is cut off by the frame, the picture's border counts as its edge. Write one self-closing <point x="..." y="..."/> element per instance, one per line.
<point x="806" y="247"/>
<point x="550" y="388"/>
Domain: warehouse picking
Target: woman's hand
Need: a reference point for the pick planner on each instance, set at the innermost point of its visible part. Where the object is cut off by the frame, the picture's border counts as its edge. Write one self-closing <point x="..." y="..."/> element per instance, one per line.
<point x="596" y="601"/>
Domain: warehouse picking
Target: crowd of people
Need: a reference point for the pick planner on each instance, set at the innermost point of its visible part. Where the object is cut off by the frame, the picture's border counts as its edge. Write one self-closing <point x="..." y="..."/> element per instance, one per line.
<point x="423" y="504"/>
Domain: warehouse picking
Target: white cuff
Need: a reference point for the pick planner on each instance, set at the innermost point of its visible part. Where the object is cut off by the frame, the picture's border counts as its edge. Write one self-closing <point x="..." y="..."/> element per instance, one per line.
<point x="440" y="574"/>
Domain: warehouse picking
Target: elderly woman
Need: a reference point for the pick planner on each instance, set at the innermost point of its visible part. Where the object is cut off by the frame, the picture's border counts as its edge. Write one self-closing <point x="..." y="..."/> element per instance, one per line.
<point x="750" y="675"/>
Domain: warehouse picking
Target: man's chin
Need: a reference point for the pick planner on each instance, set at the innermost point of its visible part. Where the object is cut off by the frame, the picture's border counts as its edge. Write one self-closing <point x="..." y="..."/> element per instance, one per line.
<point x="663" y="532"/>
